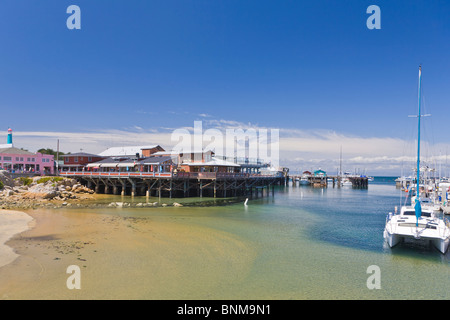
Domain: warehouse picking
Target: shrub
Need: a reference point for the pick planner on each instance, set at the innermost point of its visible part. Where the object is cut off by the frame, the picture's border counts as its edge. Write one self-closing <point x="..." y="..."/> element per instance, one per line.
<point x="1" y="185"/>
<point x="52" y="179"/>
<point x="25" y="181"/>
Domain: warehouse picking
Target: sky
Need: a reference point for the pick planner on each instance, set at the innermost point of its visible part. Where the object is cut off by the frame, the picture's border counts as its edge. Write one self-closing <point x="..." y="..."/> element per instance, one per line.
<point x="137" y="70"/>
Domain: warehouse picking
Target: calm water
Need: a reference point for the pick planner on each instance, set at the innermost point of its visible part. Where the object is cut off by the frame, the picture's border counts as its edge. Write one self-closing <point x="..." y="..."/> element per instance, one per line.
<point x="310" y="243"/>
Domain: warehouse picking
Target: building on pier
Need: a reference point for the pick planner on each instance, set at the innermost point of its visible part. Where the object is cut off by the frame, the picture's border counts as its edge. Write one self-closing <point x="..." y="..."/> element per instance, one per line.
<point x="134" y="152"/>
<point x="175" y="174"/>
<point x="78" y="161"/>
<point x="213" y="165"/>
<point x="123" y="164"/>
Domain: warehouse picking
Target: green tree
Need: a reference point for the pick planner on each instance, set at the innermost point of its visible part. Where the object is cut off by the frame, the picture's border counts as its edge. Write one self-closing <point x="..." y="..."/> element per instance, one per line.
<point x="49" y="151"/>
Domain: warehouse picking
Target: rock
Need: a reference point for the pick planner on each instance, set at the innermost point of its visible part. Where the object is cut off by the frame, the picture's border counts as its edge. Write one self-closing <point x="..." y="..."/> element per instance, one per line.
<point x="9" y="192"/>
<point x="164" y="204"/>
<point x="140" y="204"/>
<point x="35" y="179"/>
<point x="176" y="204"/>
<point x="64" y="203"/>
<point x="5" y="177"/>
<point x="119" y="204"/>
<point x="68" y="188"/>
<point x="44" y="190"/>
<point x="50" y="195"/>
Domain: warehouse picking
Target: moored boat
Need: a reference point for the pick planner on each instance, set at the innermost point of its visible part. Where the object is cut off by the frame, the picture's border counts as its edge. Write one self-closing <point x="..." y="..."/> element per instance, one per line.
<point x="418" y="222"/>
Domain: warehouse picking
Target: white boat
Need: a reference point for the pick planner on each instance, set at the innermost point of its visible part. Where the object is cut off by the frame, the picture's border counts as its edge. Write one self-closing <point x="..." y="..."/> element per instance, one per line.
<point x="418" y="222"/>
<point x="444" y="194"/>
<point x="428" y="199"/>
<point x="304" y="179"/>
<point x="426" y="228"/>
<point x="346" y="182"/>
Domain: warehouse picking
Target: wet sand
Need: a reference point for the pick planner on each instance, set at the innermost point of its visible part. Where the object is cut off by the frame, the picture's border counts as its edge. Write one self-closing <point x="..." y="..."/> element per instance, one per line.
<point x="11" y="223"/>
<point x="123" y="257"/>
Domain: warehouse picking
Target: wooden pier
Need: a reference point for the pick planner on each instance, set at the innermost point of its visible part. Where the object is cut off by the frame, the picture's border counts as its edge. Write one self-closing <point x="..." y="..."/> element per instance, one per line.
<point x="178" y="185"/>
<point x="322" y="181"/>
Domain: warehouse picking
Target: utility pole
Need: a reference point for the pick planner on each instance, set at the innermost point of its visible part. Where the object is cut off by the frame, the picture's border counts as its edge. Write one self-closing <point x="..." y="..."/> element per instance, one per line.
<point x="57" y="157"/>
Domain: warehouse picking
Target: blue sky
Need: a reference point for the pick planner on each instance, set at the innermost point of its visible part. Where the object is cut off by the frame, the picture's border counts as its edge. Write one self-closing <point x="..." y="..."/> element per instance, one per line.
<point x="138" y="66"/>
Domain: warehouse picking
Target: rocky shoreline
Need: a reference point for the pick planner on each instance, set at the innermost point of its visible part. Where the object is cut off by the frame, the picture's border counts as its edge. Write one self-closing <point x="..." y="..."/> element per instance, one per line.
<point x="55" y="192"/>
<point x="40" y="191"/>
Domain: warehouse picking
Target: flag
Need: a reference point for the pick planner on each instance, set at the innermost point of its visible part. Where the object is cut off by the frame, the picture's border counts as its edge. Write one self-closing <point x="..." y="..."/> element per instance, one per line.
<point x="418" y="209"/>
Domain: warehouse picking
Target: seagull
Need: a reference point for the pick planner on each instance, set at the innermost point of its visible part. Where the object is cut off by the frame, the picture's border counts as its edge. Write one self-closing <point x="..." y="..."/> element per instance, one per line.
<point x="245" y="203"/>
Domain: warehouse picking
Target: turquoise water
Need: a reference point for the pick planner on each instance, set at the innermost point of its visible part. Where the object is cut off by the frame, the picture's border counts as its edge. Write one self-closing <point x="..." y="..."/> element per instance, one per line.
<point x="310" y="243"/>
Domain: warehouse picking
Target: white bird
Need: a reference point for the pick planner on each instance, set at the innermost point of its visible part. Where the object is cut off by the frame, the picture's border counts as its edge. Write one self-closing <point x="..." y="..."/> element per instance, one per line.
<point x="245" y="203"/>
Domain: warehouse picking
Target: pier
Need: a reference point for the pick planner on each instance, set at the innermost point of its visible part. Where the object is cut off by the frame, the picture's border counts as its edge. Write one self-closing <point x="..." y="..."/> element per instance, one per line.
<point x="179" y="185"/>
<point x="322" y="181"/>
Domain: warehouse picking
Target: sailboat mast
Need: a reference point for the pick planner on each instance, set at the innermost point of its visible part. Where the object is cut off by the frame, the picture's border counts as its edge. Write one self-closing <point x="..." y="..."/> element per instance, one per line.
<point x="417" y="206"/>
<point x="418" y="134"/>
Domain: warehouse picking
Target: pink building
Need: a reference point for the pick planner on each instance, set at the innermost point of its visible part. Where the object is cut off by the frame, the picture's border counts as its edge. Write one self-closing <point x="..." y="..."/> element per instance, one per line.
<point x="20" y="161"/>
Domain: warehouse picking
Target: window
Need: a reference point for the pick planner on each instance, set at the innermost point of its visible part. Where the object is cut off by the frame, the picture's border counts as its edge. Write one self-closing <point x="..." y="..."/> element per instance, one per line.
<point x="33" y="159"/>
<point x="21" y="158"/>
<point x="17" y="158"/>
<point x="76" y="159"/>
<point x="28" y="159"/>
<point x="7" y="158"/>
<point x="66" y="159"/>
<point x="89" y="158"/>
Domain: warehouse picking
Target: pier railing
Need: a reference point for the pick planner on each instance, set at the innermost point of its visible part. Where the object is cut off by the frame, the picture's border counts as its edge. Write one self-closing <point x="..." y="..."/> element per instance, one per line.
<point x="116" y="174"/>
<point x="179" y="175"/>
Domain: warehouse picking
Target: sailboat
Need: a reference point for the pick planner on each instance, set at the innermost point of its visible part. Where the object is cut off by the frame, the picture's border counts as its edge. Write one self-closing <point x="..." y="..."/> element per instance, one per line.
<point x="417" y="222"/>
<point x="344" y="179"/>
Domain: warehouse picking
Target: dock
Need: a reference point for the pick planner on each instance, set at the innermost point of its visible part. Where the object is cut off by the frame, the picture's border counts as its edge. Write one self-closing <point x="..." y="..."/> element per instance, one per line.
<point x="322" y="181"/>
<point x="178" y="185"/>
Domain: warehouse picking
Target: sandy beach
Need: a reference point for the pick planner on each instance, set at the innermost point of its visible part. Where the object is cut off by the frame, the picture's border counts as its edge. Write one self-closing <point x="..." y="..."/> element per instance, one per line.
<point x="11" y="223"/>
<point x="122" y="257"/>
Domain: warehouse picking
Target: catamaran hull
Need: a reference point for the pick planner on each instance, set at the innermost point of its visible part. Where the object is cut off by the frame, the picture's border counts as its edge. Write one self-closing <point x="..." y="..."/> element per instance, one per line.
<point x="393" y="239"/>
<point x="441" y="244"/>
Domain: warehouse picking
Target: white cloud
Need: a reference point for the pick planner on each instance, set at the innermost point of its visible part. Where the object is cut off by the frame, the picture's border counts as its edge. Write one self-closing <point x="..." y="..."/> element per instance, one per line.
<point x="299" y="149"/>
